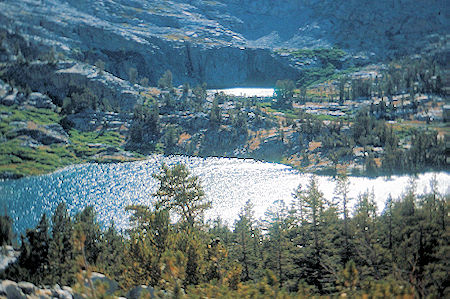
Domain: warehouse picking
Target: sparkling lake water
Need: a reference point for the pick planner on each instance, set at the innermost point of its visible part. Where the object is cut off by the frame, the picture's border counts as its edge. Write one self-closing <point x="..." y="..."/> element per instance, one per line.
<point x="227" y="182"/>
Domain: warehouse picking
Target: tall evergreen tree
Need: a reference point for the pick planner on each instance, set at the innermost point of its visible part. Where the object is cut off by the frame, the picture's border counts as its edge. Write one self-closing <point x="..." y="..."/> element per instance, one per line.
<point x="276" y="245"/>
<point x="34" y="257"/>
<point x="86" y="223"/>
<point x="317" y="259"/>
<point x="61" y="255"/>
<point x="6" y="231"/>
<point x="370" y="253"/>
<point x="315" y="205"/>
<point x="342" y="190"/>
<point x="112" y="254"/>
<point x="246" y="246"/>
<point x="182" y="193"/>
<point x="148" y="241"/>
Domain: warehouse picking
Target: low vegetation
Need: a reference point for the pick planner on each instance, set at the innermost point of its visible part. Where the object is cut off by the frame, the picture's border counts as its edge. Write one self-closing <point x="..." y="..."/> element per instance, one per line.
<point x="17" y="159"/>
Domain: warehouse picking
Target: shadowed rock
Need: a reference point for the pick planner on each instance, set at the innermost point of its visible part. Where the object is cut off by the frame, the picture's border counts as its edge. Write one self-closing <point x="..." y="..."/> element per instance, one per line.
<point x="47" y="134"/>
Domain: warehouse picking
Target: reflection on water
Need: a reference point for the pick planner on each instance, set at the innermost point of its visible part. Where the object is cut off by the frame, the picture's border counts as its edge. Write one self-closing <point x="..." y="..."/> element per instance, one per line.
<point x="245" y="91"/>
<point x="229" y="183"/>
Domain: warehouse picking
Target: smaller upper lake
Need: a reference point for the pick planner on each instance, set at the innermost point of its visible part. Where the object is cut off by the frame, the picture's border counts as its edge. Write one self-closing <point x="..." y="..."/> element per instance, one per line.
<point x="245" y="91"/>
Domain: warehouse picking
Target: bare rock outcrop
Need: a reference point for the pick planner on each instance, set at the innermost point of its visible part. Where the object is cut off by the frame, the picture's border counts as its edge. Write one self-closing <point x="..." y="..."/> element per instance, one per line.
<point x="59" y="80"/>
<point x="26" y="290"/>
<point x="7" y="256"/>
<point x="44" y="134"/>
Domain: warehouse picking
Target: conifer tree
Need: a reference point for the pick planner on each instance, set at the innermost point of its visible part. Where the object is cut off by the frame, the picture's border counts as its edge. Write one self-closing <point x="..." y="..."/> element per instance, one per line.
<point x="181" y="193"/>
<point x="276" y="245"/>
<point x="220" y="231"/>
<point x="215" y="115"/>
<point x="192" y="265"/>
<point x="34" y="257"/>
<point x="112" y="253"/>
<point x="317" y="259"/>
<point x="246" y="242"/>
<point x="342" y="190"/>
<point x="6" y="231"/>
<point x="315" y="206"/>
<point x="61" y="255"/>
<point x="366" y="234"/>
<point x="85" y="222"/>
<point x="148" y="242"/>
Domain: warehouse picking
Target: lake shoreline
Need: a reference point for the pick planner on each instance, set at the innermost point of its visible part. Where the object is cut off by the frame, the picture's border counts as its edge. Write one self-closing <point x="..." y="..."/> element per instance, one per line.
<point x="322" y="172"/>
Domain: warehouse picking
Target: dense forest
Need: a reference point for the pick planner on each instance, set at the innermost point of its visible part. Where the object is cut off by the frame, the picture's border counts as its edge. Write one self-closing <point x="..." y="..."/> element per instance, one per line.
<point x="312" y="247"/>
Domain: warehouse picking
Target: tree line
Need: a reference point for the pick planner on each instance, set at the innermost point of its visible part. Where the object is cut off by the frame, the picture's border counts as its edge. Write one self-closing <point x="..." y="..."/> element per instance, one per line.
<point x="312" y="247"/>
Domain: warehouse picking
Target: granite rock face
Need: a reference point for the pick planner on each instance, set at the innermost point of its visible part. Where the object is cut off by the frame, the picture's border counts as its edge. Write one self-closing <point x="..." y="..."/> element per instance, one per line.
<point x="42" y="134"/>
<point x="223" y="42"/>
<point x="111" y="285"/>
<point x="141" y="291"/>
<point x="11" y="96"/>
<point x="7" y="256"/>
<point x="10" y="289"/>
<point x="26" y="290"/>
<point x="39" y="100"/>
<point x="92" y="120"/>
<point x="60" y="79"/>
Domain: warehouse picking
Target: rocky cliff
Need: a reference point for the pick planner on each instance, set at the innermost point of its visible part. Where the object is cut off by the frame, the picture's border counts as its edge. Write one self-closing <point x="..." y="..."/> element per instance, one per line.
<point x="224" y="42"/>
<point x="61" y="79"/>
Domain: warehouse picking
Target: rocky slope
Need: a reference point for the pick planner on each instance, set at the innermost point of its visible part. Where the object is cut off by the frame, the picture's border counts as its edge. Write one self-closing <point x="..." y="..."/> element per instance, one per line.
<point x="78" y="62"/>
<point x="224" y="42"/>
<point x="59" y="80"/>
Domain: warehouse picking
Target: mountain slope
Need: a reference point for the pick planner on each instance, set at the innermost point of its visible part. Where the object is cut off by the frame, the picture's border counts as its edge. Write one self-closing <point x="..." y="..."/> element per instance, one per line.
<point x="225" y="42"/>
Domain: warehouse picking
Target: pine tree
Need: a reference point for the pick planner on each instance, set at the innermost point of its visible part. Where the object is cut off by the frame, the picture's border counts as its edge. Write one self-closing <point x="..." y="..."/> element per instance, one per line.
<point x="217" y="262"/>
<point x="165" y="82"/>
<point x="112" y="254"/>
<point x="300" y="236"/>
<point x="387" y="221"/>
<point x="34" y="258"/>
<point x="246" y="242"/>
<point x="349" y="279"/>
<point x="220" y="231"/>
<point x="370" y="254"/>
<point x="284" y="90"/>
<point x="192" y="265"/>
<point x="86" y="223"/>
<point x="61" y="255"/>
<point x="148" y="241"/>
<point x="182" y="193"/>
<point x="317" y="259"/>
<point x="332" y="240"/>
<point x="277" y="243"/>
<point x="420" y="242"/>
<point x="342" y="190"/>
<point x="315" y="206"/>
<point x="215" y="115"/>
<point x="6" y="231"/>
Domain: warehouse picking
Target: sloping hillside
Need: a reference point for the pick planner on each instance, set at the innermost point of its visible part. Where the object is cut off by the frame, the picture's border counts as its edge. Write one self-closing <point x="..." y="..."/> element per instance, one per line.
<point x="226" y="42"/>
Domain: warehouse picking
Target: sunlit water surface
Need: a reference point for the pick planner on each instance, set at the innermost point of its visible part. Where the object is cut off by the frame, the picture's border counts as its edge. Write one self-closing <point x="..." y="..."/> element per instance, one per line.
<point x="245" y="91"/>
<point x="228" y="183"/>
